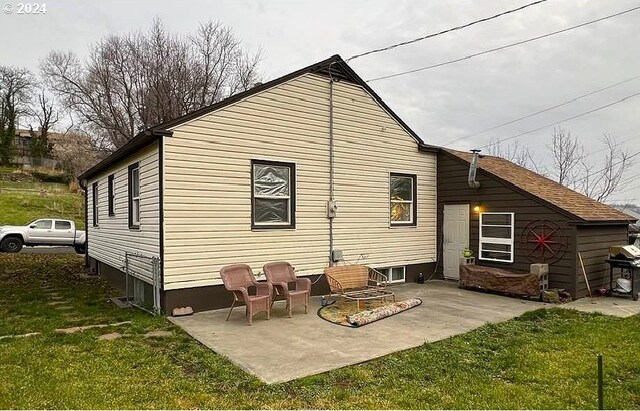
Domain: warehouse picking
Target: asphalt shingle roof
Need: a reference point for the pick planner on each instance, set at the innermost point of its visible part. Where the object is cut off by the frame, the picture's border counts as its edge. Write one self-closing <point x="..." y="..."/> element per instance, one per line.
<point x="546" y="189"/>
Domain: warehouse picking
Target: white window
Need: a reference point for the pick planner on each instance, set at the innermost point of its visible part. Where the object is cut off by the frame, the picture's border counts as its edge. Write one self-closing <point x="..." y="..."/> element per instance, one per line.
<point x="393" y="274"/>
<point x="273" y="185"/>
<point x="402" y="199"/>
<point x="496" y="237"/>
<point x="134" y="196"/>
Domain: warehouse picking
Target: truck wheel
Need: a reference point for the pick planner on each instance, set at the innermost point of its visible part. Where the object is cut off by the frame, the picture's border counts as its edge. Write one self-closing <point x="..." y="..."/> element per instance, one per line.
<point x="79" y="249"/>
<point x="11" y="244"/>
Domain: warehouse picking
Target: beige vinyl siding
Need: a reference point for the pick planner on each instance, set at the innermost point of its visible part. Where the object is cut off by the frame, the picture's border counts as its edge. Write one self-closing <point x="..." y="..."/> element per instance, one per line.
<point x="371" y="145"/>
<point x="207" y="200"/>
<point x="112" y="238"/>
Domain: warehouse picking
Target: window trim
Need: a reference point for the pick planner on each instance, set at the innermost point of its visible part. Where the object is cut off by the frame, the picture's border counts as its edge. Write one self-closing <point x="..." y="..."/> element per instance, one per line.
<point x="111" y="195"/>
<point x="133" y="224"/>
<point x="414" y="202"/>
<point x="94" y="203"/>
<point x="292" y="196"/>
<point x="494" y="240"/>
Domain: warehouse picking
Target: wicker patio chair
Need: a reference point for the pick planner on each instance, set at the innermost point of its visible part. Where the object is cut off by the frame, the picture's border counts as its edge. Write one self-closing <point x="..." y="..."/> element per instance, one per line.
<point x="280" y="275"/>
<point x="238" y="278"/>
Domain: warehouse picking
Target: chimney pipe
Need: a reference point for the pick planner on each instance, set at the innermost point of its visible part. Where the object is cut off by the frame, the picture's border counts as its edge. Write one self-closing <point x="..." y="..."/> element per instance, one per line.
<point x="473" y="168"/>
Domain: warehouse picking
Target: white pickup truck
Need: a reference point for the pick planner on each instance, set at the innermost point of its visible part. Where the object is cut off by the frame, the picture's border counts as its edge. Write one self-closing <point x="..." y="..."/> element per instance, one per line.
<point x="45" y="231"/>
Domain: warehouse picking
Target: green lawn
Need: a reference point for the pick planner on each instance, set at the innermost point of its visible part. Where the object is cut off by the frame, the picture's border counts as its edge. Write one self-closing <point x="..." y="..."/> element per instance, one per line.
<point x="545" y="359"/>
<point x="20" y="204"/>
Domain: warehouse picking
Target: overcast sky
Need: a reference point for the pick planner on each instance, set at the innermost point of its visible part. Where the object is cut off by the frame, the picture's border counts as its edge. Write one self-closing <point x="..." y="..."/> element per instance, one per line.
<point x="441" y="104"/>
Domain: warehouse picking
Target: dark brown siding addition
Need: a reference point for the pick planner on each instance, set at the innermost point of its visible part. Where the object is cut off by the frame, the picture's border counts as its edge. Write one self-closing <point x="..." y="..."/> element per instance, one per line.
<point x="593" y="244"/>
<point x="495" y="195"/>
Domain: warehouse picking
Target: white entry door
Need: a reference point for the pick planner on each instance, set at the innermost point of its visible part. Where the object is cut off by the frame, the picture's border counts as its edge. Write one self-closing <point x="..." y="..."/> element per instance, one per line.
<point x="455" y="229"/>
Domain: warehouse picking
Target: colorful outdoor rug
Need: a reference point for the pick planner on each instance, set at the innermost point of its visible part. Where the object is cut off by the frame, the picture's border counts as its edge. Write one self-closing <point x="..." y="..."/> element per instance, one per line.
<point x="348" y="315"/>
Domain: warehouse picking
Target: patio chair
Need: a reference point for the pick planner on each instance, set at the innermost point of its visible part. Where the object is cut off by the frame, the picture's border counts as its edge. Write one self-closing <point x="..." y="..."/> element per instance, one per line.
<point x="238" y="278"/>
<point x="280" y="275"/>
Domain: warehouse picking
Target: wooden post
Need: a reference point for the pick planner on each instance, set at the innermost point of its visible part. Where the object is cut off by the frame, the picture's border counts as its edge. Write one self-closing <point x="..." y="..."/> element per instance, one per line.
<point x="584" y="273"/>
<point x="600" y="384"/>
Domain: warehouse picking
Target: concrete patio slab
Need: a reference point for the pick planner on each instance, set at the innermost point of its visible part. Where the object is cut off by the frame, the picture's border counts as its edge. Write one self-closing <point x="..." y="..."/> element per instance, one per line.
<point x="284" y="349"/>
<point x="616" y="306"/>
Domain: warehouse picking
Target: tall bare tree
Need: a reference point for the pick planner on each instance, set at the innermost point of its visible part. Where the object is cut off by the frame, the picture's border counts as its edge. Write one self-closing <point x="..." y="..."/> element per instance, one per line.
<point x="570" y="166"/>
<point x="133" y="81"/>
<point x="45" y="116"/>
<point x="599" y="182"/>
<point x="15" y="95"/>
<point x="566" y="153"/>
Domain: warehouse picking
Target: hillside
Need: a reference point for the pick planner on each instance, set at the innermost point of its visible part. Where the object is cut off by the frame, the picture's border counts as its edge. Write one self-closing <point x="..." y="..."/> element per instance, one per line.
<point x="25" y="197"/>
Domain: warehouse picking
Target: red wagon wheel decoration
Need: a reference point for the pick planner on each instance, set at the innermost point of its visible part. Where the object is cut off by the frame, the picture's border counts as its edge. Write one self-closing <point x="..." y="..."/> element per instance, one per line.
<point x="544" y="241"/>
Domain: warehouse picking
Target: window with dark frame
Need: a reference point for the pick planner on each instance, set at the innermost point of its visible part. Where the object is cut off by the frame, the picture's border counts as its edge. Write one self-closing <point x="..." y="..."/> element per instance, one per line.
<point x="403" y="210"/>
<point x="94" y="199"/>
<point x="134" y="195"/>
<point x="273" y="202"/>
<point x="111" y="195"/>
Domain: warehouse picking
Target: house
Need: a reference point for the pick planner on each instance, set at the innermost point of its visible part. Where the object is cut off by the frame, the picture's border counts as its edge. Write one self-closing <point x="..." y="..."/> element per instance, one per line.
<point x="314" y="168"/>
<point x="310" y="168"/>
<point x="22" y="148"/>
<point x="64" y="147"/>
<point x="516" y="217"/>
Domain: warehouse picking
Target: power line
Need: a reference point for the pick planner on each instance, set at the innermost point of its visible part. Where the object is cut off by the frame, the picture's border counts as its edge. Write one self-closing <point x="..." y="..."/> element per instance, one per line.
<point x="617" y="200"/>
<point x="544" y="110"/>
<point x="607" y="148"/>
<point x="607" y="167"/>
<point x="428" y="36"/>
<point x="562" y="121"/>
<point x="502" y="47"/>
<point x="631" y="180"/>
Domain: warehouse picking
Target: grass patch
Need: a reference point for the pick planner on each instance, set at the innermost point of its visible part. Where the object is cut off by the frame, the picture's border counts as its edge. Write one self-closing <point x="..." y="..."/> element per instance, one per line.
<point x="19" y="207"/>
<point x="37" y="194"/>
<point x="543" y="359"/>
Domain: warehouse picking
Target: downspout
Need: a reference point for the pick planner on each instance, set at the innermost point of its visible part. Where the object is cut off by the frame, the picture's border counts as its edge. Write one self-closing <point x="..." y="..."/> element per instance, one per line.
<point x="473" y="169"/>
<point x="331" y="205"/>
<point x="83" y="185"/>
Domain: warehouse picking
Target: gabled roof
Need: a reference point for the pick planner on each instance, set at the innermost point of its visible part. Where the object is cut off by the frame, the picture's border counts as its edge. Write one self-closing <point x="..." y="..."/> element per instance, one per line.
<point x="545" y="189"/>
<point x="334" y="67"/>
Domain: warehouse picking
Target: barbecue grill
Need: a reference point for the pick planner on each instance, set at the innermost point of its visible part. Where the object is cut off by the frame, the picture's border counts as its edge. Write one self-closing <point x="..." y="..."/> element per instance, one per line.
<point x="626" y="259"/>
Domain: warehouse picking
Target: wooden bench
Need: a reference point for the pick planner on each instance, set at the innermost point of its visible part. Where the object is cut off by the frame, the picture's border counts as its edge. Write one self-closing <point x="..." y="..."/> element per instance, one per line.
<point x="357" y="283"/>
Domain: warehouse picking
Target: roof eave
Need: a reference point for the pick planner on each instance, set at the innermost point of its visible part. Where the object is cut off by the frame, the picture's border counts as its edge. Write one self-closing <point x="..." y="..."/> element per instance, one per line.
<point x="141" y="140"/>
<point x="149" y="135"/>
<point x="428" y="148"/>
<point x="602" y="222"/>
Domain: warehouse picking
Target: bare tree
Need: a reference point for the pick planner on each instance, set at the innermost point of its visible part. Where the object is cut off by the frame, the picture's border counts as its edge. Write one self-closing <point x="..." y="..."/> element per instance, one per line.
<point x="570" y="166"/>
<point x="606" y="179"/>
<point x="76" y="151"/>
<point x="15" y="95"/>
<point x="566" y="153"/>
<point x="45" y="116"/>
<point x="133" y="81"/>
<point x="516" y="153"/>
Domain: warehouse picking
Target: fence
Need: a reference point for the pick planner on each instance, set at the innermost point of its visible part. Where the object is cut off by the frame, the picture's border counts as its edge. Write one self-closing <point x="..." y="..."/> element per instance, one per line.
<point x="142" y="282"/>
